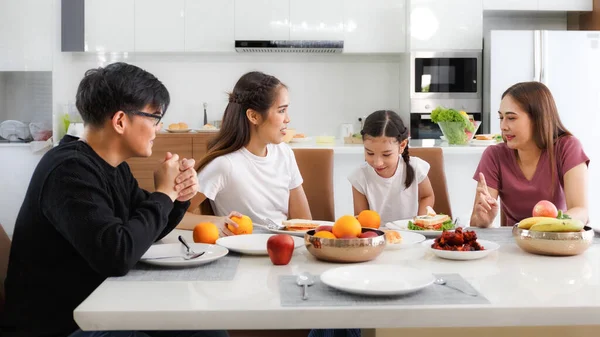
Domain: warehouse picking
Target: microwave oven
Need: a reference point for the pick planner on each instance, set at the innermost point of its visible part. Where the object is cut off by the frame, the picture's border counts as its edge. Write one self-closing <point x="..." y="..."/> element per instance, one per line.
<point x="446" y="75"/>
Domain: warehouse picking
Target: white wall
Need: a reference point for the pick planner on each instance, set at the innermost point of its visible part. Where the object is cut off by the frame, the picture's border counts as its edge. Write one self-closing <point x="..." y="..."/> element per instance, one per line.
<point x="512" y="21"/>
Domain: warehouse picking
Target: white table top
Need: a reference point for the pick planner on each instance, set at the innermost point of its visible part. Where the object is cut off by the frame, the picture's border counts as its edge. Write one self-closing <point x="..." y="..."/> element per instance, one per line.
<point x="523" y="289"/>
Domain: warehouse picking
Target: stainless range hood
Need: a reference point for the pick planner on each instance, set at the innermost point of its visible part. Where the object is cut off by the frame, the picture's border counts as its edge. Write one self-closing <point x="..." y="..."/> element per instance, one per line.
<point x="289" y="46"/>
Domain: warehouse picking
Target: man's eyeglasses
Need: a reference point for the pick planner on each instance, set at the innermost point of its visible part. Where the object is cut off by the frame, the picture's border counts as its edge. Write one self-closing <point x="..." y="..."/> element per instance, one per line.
<point x="158" y="117"/>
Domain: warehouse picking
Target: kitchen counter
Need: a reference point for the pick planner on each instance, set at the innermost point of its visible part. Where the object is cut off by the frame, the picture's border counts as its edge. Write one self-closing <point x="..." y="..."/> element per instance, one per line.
<point x="340" y="148"/>
<point x="523" y="290"/>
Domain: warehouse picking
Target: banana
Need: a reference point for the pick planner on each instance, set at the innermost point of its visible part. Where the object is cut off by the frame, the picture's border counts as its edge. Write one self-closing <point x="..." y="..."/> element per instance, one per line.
<point x="557" y="225"/>
<point x="528" y="222"/>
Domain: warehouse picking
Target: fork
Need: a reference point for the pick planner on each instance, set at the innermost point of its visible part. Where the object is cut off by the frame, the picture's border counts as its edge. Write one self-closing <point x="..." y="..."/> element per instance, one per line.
<point x="191" y="254"/>
<point x="270" y="224"/>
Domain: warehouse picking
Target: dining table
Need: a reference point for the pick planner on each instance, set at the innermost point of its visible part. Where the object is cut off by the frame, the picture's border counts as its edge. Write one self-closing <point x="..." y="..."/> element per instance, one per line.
<point x="513" y="288"/>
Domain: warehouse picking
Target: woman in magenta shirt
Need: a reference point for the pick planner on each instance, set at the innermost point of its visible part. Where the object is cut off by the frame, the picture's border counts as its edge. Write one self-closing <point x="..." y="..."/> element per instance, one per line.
<point x="539" y="160"/>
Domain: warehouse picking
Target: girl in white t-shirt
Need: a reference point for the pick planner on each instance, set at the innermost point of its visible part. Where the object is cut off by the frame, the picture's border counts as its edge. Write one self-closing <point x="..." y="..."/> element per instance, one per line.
<point x="390" y="182"/>
<point x="248" y="168"/>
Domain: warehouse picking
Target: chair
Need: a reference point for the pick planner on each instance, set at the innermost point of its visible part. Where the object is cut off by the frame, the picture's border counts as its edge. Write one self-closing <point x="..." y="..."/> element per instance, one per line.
<point x="435" y="157"/>
<point x="316" y="168"/>
<point x="4" y="253"/>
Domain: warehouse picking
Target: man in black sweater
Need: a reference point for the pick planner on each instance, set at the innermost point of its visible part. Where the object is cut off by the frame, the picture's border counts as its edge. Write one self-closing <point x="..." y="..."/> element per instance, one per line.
<point x="84" y="218"/>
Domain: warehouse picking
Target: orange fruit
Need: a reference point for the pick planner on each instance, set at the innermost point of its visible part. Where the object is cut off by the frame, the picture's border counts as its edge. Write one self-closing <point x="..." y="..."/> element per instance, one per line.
<point x="346" y="227"/>
<point x="244" y="225"/>
<point x="324" y="235"/>
<point x="370" y="219"/>
<point x="206" y="232"/>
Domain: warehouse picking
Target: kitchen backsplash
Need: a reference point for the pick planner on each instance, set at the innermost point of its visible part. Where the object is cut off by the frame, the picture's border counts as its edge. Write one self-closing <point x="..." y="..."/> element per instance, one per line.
<point x="325" y="90"/>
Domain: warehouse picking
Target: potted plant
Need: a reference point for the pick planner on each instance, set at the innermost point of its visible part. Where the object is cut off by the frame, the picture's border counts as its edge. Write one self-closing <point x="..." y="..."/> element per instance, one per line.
<point x="455" y="125"/>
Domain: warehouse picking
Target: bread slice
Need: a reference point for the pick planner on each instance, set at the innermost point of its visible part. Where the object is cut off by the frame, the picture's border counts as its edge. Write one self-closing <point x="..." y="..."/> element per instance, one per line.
<point x="484" y="137"/>
<point x="300" y="224"/>
<point x="392" y="237"/>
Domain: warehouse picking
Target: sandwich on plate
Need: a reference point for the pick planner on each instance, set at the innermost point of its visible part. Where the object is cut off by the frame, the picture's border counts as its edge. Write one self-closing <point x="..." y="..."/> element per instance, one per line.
<point x="431" y="222"/>
<point x="300" y="225"/>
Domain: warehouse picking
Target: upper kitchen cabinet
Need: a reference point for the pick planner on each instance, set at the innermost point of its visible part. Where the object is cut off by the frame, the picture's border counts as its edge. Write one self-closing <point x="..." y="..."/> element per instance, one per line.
<point x="374" y="26"/>
<point x="510" y="5"/>
<point x="109" y="25"/>
<point x="159" y="25"/>
<point x="209" y="25"/>
<point x="565" y="5"/>
<point x="316" y="20"/>
<point x="538" y="5"/>
<point x="263" y="19"/>
<point x="26" y="35"/>
<point x="446" y="25"/>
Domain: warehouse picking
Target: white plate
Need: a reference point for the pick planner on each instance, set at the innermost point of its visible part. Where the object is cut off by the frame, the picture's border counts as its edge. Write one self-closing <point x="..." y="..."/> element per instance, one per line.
<point x="252" y="244"/>
<point x="300" y="233"/>
<point x="377" y="279"/>
<point x="206" y="130"/>
<point x="178" y="131"/>
<point x="213" y="252"/>
<point x="301" y="140"/>
<point x="488" y="247"/>
<point x="403" y="226"/>
<point x="408" y="239"/>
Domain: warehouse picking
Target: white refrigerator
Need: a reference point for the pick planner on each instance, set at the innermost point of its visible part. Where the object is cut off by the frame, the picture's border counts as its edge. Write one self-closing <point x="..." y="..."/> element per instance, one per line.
<point x="568" y="62"/>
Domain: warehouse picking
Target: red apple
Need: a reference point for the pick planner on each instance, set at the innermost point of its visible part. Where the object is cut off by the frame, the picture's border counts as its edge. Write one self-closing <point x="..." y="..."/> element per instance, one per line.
<point x="326" y="228"/>
<point x="546" y="209"/>
<point x="369" y="234"/>
<point x="280" y="248"/>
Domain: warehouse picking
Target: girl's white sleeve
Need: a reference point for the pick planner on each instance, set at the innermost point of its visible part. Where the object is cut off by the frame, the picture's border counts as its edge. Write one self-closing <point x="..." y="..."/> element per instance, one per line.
<point x="358" y="180"/>
<point x="214" y="177"/>
<point x="421" y="168"/>
<point x="296" y="178"/>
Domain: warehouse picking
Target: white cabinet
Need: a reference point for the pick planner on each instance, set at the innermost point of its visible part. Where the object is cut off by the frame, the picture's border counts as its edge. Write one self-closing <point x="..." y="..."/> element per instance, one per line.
<point x="510" y="5"/>
<point x="262" y="19"/>
<point x="538" y="5"/>
<point x="316" y="20"/>
<point x="209" y="25"/>
<point x="109" y="25"/>
<point x="159" y="25"/>
<point x="374" y="26"/>
<point x="565" y="5"/>
<point x="27" y="30"/>
<point x="446" y="25"/>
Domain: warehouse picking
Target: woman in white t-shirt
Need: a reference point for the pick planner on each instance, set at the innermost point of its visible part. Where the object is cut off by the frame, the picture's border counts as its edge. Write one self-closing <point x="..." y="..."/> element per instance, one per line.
<point x="390" y="182"/>
<point x="248" y="168"/>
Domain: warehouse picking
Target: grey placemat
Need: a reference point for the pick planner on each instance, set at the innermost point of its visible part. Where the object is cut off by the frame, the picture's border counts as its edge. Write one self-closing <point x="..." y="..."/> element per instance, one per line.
<point x="320" y="295"/>
<point x="504" y="235"/>
<point x="222" y="269"/>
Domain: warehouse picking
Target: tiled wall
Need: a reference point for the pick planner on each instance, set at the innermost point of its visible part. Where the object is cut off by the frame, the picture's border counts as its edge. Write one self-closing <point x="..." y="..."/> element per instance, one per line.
<point x="325" y="90"/>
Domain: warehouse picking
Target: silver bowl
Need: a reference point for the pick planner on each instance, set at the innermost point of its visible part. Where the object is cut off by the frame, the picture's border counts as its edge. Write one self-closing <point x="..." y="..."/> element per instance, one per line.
<point x="345" y="250"/>
<point x="553" y="243"/>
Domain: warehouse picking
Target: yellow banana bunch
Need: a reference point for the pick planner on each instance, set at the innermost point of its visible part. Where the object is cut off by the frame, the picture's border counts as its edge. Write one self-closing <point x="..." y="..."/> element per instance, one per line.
<point x="557" y="225"/>
<point x="528" y="222"/>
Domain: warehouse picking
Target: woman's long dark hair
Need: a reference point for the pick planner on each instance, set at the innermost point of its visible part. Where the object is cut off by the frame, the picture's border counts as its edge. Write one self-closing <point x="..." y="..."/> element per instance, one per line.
<point x="254" y="90"/>
<point x="386" y="123"/>
<point x="537" y="101"/>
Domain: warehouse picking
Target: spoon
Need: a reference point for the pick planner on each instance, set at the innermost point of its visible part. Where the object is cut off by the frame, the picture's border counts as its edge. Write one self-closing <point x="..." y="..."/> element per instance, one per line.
<point x="190" y="251"/>
<point x="305" y="280"/>
<point x="442" y="282"/>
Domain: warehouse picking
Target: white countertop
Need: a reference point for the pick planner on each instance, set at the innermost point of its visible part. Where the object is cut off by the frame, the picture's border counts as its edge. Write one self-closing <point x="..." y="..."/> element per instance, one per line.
<point x="523" y="289"/>
<point x="340" y="148"/>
